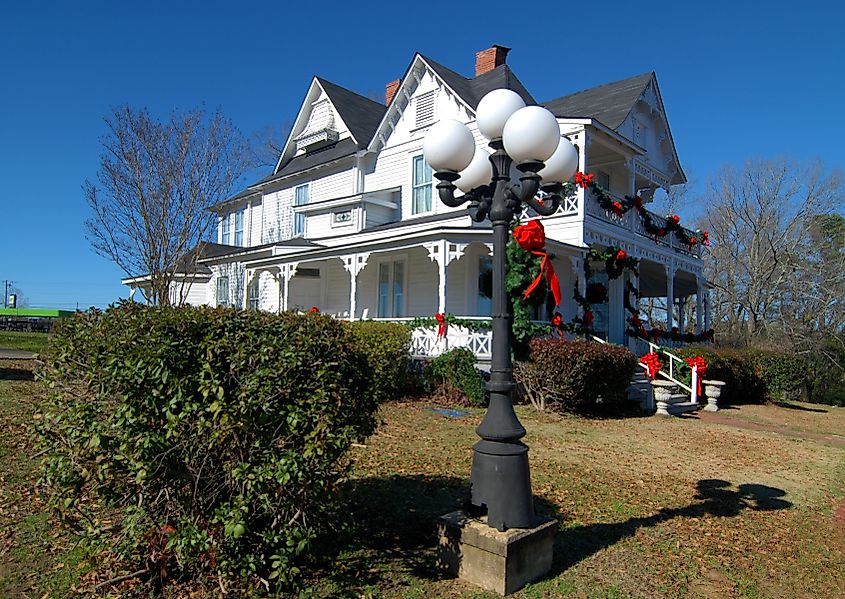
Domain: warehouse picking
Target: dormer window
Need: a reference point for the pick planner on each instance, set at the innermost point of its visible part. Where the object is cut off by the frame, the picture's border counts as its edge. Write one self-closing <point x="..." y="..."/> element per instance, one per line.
<point x="320" y="130"/>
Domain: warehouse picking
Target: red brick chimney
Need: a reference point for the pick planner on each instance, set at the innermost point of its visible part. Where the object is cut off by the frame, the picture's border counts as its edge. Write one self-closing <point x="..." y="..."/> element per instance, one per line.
<point x="489" y="59"/>
<point x="390" y="91"/>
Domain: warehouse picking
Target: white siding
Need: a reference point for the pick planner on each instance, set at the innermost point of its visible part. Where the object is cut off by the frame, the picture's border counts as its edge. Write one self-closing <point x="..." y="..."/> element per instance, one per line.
<point x="337" y="288"/>
<point x="421" y="291"/>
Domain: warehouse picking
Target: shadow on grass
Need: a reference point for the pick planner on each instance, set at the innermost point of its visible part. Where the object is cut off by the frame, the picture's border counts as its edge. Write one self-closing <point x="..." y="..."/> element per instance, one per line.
<point x="792" y="406"/>
<point x="393" y="538"/>
<point x="716" y="498"/>
<point x="16" y="374"/>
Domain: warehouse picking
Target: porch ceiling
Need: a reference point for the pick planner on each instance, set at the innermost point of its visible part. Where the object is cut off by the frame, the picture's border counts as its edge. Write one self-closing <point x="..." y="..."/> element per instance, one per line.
<point x="653" y="281"/>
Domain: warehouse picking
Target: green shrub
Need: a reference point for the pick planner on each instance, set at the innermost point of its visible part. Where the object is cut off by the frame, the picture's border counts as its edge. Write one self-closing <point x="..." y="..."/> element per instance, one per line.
<point x="385" y="346"/>
<point x="453" y="378"/>
<point x="753" y="375"/>
<point x="577" y="376"/>
<point x="213" y="438"/>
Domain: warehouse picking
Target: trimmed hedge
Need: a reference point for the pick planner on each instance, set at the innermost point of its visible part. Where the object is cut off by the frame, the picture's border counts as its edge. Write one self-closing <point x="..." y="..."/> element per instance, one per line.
<point x="213" y="438"/>
<point x="753" y="375"/>
<point x="386" y="348"/>
<point x="453" y="378"/>
<point x="576" y="376"/>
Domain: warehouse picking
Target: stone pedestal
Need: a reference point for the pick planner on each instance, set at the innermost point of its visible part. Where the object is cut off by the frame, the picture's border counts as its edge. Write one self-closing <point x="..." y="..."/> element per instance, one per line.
<point x="663" y="395"/>
<point x="502" y="562"/>
<point x="713" y="390"/>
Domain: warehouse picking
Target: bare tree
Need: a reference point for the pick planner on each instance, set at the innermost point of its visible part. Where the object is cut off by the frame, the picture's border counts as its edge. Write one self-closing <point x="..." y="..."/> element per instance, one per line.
<point x="761" y="221"/>
<point x="156" y="181"/>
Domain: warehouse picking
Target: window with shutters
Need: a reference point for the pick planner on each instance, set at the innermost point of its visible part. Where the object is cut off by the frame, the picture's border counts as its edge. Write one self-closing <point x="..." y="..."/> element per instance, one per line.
<point x="239" y="228"/>
<point x="222" y="291"/>
<point x="425" y="108"/>
<point x="224" y="230"/>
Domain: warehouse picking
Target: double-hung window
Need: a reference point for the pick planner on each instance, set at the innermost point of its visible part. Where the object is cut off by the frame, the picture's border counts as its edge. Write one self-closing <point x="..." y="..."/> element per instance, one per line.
<point x="222" y="291"/>
<point x="224" y="230"/>
<point x="391" y="289"/>
<point x="252" y="294"/>
<point x="239" y="228"/>
<point x="300" y="198"/>
<point x="421" y="200"/>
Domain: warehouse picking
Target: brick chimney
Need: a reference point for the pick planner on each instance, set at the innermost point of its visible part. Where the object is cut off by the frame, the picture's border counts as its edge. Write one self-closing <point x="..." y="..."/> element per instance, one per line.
<point x="489" y="59"/>
<point x="390" y="91"/>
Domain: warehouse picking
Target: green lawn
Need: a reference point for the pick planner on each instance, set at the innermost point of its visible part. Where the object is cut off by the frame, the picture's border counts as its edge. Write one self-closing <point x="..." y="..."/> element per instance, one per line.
<point x="647" y="507"/>
<point x="34" y="342"/>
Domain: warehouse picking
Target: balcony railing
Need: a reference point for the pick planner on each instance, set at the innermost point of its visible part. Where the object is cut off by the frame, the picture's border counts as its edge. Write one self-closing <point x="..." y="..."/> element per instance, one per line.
<point x="426" y="343"/>
<point x="631" y="221"/>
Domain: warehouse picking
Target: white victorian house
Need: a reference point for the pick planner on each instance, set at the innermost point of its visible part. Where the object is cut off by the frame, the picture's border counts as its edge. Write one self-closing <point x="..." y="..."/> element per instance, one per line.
<point x="349" y="221"/>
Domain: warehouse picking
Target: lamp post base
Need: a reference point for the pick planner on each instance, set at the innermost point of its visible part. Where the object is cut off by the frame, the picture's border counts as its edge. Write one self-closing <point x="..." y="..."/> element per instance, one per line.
<point x="501" y="482"/>
<point x="502" y="562"/>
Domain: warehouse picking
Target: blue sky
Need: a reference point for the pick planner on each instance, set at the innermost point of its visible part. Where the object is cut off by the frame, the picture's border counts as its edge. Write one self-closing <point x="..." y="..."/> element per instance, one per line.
<point x="739" y="80"/>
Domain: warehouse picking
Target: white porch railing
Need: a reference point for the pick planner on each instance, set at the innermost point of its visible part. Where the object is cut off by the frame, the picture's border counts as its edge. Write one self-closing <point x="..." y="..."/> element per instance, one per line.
<point x="692" y="389"/>
<point x="426" y="343"/>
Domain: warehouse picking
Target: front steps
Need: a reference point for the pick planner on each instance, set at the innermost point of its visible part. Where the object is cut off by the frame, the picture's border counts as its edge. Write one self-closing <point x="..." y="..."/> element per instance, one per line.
<point x="640" y="390"/>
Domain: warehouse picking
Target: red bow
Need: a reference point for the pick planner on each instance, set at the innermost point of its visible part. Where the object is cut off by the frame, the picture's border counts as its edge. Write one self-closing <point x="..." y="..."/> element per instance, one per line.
<point x="652" y="364"/>
<point x="441" y="325"/>
<point x="583" y="180"/>
<point x="621" y="255"/>
<point x="314" y="310"/>
<point x="705" y="238"/>
<point x="661" y="232"/>
<point x="692" y="241"/>
<point x="532" y="238"/>
<point x="557" y="322"/>
<point x="588" y="318"/>
<point x="617" y="208"/>
<point x="638" y="202"/>
<point x="702" y="369"/>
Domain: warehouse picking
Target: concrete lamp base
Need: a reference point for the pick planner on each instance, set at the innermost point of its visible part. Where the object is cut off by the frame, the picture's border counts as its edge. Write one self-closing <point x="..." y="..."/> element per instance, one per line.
<point x="502" y="562"/>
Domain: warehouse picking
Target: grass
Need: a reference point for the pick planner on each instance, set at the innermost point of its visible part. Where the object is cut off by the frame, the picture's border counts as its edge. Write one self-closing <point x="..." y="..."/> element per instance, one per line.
<point x="647" y="507"/>
<point x="34" y="342"/>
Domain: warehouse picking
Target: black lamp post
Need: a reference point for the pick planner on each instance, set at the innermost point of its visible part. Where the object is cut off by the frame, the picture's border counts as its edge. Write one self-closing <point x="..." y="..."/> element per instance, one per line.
<point x="530" y="137"/>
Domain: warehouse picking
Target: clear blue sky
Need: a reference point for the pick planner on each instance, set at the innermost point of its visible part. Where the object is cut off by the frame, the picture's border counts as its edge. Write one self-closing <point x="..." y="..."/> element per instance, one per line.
<point x="739" y="80"/>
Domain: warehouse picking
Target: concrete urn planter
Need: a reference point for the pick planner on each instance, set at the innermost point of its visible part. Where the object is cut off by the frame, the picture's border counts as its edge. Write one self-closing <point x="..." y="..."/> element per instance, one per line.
<point x="663" y="395"/>
<point x="713" y="390"/>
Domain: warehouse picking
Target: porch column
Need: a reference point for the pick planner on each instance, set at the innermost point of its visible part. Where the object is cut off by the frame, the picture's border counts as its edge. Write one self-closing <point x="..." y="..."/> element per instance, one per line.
<point x="442" y="274"/>
<point x="706" y="308"/>
<point x="287" y="271"/>
<point x="699" y="305"/>
<point x="245" y="296"/>
<point x="354" y="264"/>
<point x="670" y="296"/>
<point x="682" y="318"/>
<point x="578" y="269"/>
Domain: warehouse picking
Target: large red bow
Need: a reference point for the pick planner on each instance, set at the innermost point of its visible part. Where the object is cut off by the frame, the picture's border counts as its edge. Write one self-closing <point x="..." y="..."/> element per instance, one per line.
<point x="441" y="325"/>
<point x="532" y="238"/>
<point x="583" y="180"/>
<point x="652" y="363"/>
<point x="702" y="369"/>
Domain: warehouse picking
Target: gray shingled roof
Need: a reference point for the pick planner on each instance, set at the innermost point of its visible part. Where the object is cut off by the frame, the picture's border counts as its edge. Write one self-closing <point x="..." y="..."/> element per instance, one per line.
<point x="472" y="90"/>
<point x="609" y="103"/>
<point x="189" y="263"/>
<point x="360" y="114"/>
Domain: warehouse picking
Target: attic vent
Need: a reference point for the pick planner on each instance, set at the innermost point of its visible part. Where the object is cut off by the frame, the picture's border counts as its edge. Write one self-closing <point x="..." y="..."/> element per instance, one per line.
<point x="320" y="128"/>
<point x="425" y="108"/>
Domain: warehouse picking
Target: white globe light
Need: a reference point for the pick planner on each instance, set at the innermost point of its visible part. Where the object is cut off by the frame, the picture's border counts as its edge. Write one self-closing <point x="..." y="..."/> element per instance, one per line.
<point x="494" y="110"/>
<point x="478" y="173"/>
<point x="449" y="146"/>
<point x="531" y="134"/>
<point x="562" y="164"/>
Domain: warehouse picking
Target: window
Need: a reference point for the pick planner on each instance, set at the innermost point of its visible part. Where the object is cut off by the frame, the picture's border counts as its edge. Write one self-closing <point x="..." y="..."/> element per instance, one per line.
<point x="343" y="217"/>
<point x="421" y="201"/>
<point x="603" y="180"/>
<point x="391" y="289"/>
<point x="224" y="230"/>
<point x="300" y="198"/>
<point x="222" y="291"/>
<point x="484" y="301"/>
<point x="252" y="294"/>
<point x="425" y="109"/>
<point x="239" y="228"/>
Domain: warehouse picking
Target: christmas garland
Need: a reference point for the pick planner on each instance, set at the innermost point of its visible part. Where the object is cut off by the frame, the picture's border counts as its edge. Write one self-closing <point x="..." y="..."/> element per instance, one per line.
<point x="671" y="223"/>
<point x="442" y="321"/>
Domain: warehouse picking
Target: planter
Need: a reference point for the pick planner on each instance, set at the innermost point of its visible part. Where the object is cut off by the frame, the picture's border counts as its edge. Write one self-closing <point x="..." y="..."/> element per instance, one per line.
<point x="712" y="389"/>
<point x="663" y="395"/>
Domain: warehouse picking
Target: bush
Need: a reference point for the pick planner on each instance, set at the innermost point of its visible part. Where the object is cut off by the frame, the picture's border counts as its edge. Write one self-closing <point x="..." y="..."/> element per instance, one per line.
<point x="385" y="346"/>
<point x="753" y="375"/>
<point x="576" y="376"/>
<point x="453" y="378"/>
<point x="213" y="438"/>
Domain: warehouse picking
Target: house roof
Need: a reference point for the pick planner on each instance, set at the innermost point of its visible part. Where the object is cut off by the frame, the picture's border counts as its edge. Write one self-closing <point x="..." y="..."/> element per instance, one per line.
<point x="609" y="103"/>
<point x="361" y="115"/>
<point x="472" y="90"/>
<point x="189" y="262"/>
<point x="343" y="148"/>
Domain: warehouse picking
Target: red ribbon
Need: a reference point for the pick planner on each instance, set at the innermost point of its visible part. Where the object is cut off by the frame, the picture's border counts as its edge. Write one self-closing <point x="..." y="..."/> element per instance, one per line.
<point x="652" y="363"/>
<point x="557" y="322"/>
<point x="617" y="209"/>
<point x="441" y="322"/>
<point x="532" y="238"/>
<point x="702" y="369"/>
<point x="314" y="310"/>
<point x="583" y="180"/>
